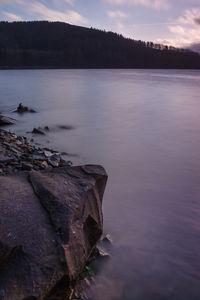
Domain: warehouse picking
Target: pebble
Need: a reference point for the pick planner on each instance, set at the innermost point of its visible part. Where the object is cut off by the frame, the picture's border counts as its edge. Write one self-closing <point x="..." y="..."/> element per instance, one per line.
<point x="38" y="131"/>
<point x="54" y="160"/>
<point x="17" y="154"/>
<point x="27" y="166"/>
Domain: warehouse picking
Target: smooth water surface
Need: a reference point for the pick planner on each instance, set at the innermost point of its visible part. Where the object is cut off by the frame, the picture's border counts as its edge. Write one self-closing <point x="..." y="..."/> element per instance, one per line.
<point x="143" y="126"/>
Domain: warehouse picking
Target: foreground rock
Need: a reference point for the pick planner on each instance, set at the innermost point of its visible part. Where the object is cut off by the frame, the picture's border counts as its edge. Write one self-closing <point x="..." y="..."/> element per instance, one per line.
<point x="7" y="121"/>
<point x="50" y="223"/>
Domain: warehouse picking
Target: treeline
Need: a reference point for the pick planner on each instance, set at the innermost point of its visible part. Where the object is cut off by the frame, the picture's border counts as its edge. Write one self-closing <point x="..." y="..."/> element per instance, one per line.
<point x="43" y="44"/>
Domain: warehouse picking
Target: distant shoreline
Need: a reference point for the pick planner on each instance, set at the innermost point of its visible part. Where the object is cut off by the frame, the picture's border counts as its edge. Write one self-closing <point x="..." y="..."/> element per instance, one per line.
<point x="58" y="45"/>
<point x="91" y="68"/>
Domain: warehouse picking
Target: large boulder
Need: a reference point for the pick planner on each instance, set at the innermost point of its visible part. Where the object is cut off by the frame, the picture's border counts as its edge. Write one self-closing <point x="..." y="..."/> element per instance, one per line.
<point x="50" y="222"/>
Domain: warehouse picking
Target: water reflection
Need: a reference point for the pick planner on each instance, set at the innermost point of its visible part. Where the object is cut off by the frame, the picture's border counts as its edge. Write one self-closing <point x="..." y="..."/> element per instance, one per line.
<point x="144" y="127"/>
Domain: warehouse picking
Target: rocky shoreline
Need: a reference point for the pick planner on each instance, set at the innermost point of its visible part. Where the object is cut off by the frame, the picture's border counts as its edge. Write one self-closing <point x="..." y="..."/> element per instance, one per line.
<point x="17" y="154"/>
<point x="34" y="184"/>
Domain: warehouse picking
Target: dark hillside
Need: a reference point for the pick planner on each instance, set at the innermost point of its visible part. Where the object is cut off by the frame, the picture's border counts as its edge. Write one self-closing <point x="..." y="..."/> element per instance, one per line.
<point x="43" y="44"/>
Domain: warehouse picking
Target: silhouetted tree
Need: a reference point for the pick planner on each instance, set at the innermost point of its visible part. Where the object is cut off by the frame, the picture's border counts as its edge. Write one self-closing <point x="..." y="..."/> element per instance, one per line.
<point x="61" y="45"/>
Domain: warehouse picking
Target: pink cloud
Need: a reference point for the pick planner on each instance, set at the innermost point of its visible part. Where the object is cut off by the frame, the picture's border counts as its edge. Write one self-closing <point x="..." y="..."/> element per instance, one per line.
<point x="42" y="12"/>
<point x="12" y="17"/>
<point x="187" y="30"/>
<point x="117" y="14"/>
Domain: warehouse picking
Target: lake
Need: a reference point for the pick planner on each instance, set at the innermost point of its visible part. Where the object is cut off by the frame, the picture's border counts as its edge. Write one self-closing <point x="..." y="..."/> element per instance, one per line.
<point x="143" y="126"/>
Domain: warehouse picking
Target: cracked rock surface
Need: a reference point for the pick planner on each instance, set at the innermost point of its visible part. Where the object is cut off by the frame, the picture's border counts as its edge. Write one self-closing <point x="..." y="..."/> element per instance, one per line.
<point x="50" y="222"/>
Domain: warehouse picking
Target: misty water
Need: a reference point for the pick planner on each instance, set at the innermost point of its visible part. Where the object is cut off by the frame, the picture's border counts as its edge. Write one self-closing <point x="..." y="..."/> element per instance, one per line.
<point x="143" y="126"/>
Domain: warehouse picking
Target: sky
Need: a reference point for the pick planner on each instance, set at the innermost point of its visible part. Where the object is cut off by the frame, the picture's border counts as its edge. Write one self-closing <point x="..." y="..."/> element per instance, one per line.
<point x="170" y="22"/>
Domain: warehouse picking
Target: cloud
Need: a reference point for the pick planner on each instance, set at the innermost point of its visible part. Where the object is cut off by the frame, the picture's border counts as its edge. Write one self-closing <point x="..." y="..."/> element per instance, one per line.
<point x="39" y="11"/>
<point x="117" y="14"/>
<point x="158" y="4"/>
<point x="6" y="2"/>
<point x="12" y="17"/>
<point x="197" y="20"/>
<point x="27" y="2"/>
<point x="187" y="31"/>
<point x="42" y="12"/>
<point x="71" y="2"/>
<point x="190" y="16"/>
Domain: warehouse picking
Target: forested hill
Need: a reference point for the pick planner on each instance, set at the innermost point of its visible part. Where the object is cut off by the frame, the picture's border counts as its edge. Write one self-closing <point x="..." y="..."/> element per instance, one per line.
<point x="43" y="44"/>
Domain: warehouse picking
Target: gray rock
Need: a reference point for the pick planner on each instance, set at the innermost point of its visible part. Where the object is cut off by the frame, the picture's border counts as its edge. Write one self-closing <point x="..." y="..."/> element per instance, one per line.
<point x="65" y="163"/>
<point x="38" y="156"/>
<point x="66" y="127"/>
<point x="22" y="109"/>
<point x="38" y="131"/>
<point x="54" y="160"/>
<point x="102" y="252"/>
<point x="4" y="158"/>
<point x="50" y="222"/>
<point x="7" y="121"/>
<point x="47" y="153"/>
<point x="107" y="240"/>
<point x="27" y="166"/>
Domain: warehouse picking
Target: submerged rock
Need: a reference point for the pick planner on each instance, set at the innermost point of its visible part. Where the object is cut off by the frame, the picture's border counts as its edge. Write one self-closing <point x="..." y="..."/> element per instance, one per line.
<point x="66" y="127"/>
<point x="38" y="131"/>
<point x="22" y="109"/>
<point x="50" y="223"/>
